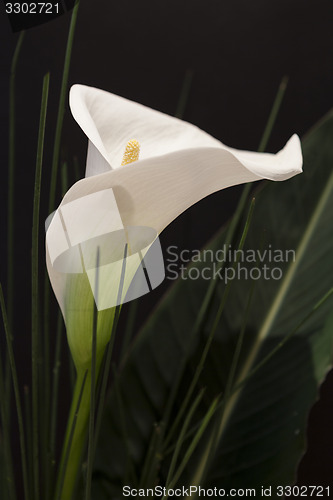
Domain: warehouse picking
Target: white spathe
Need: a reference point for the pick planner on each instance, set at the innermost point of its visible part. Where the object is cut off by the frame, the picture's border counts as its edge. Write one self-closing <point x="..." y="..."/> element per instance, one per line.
<point x="179" y="164"/>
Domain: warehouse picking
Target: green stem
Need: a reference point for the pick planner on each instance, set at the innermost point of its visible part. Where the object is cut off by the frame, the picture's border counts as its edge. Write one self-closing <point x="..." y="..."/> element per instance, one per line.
<point x="82" y="404"/>
<point x="52" y="196"/>
<point x="286" y="339"/>
<point x="18" y="404"/>
<point x="90" y="457"/>
<point x="109" y="350"/>
<point x="195" y="441"/>
<point x="28" y="429"/>
<point x="54" y="408"/>
<point x="202" y="361"/>
<point x="184" y="94"/>
<point x="8" y="483"/>
<point x="182" y="435"/>
<point x="61" y="109"/>
<point x="129" y="328"/>
<point x="34" y="289"/>
<point x="11" y="174"/>
<point x="273" y="114"/>
<point x="55" y="388"/>
<point x="75" y="437"/>
<point x="11" y="218"/>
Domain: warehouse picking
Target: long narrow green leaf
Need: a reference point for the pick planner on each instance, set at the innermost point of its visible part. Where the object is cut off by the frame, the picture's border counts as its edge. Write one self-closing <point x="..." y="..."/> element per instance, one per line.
<point x="10" y="217"/>
<point x="28" y="430"/>
<point x="194" y="443"/>
<point x="273" y="114"/>
<point x="231" y="390"/>
<point x="210" y="338"/>
<point x="60" y="485"/>
<point x="64" y="178"/>
<point x="7" y="483"/>
<point x="109" y="350"/>
<point x="17" y="396"/>
<point x="55" y="391"/>
<point x="231" y="232"/>
<point x="130" y="475"/>
<point x="91" y="436"/>
<point x="35" y="348"/>
<point x="129" y="329"/>
<point x="260" y="365"/>
<point x="61" y="108"/>
<point x="150" y="466"/>
<point x="77" y="174"/>
<point x="244" y="197"/>
<point x="240" y="340"/>
<point x="11" y="180"/>
<point x="282" y="342"/>
<point x="182" y="435"/>
<point x="52" y="197"/>
<point x="278" y="301"/>
<point x="183" y="98"/>
<point x="264" y="437"/>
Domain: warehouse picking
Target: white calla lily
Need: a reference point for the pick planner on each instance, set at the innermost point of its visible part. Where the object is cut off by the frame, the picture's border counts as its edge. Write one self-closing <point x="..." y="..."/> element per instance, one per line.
<point x="131" y="203"/>
<point x="178" y="165"/>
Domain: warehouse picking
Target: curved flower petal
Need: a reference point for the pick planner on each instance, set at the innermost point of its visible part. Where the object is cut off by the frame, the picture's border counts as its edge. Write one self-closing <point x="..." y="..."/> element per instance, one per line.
<point x="153" y="192"/>
<point x="279" y="167"/>
<point x="179" y="165"/>
<point x="109" y="121"/>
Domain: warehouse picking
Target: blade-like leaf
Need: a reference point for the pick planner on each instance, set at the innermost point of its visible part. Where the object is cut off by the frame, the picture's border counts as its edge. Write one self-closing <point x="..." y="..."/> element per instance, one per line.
<point x="259" y="435"/>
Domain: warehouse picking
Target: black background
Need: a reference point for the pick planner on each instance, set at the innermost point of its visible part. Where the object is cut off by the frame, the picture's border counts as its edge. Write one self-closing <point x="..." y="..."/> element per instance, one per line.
<point x="238" y="52"/>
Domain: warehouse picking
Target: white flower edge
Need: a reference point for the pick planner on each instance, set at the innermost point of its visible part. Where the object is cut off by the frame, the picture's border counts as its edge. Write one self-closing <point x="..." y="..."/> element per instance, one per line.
<point x="174" y="172"/>
<point x="153" y="192"/>
<point x="109" y="121"/>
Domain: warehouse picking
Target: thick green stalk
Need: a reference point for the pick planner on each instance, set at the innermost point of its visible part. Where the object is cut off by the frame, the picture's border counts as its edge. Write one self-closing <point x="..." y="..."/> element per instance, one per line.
<point x="83" y="404"/>
<point x="75" y="437"/>
<point x="76" y="433"/>
<point x="90" y="457"/>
